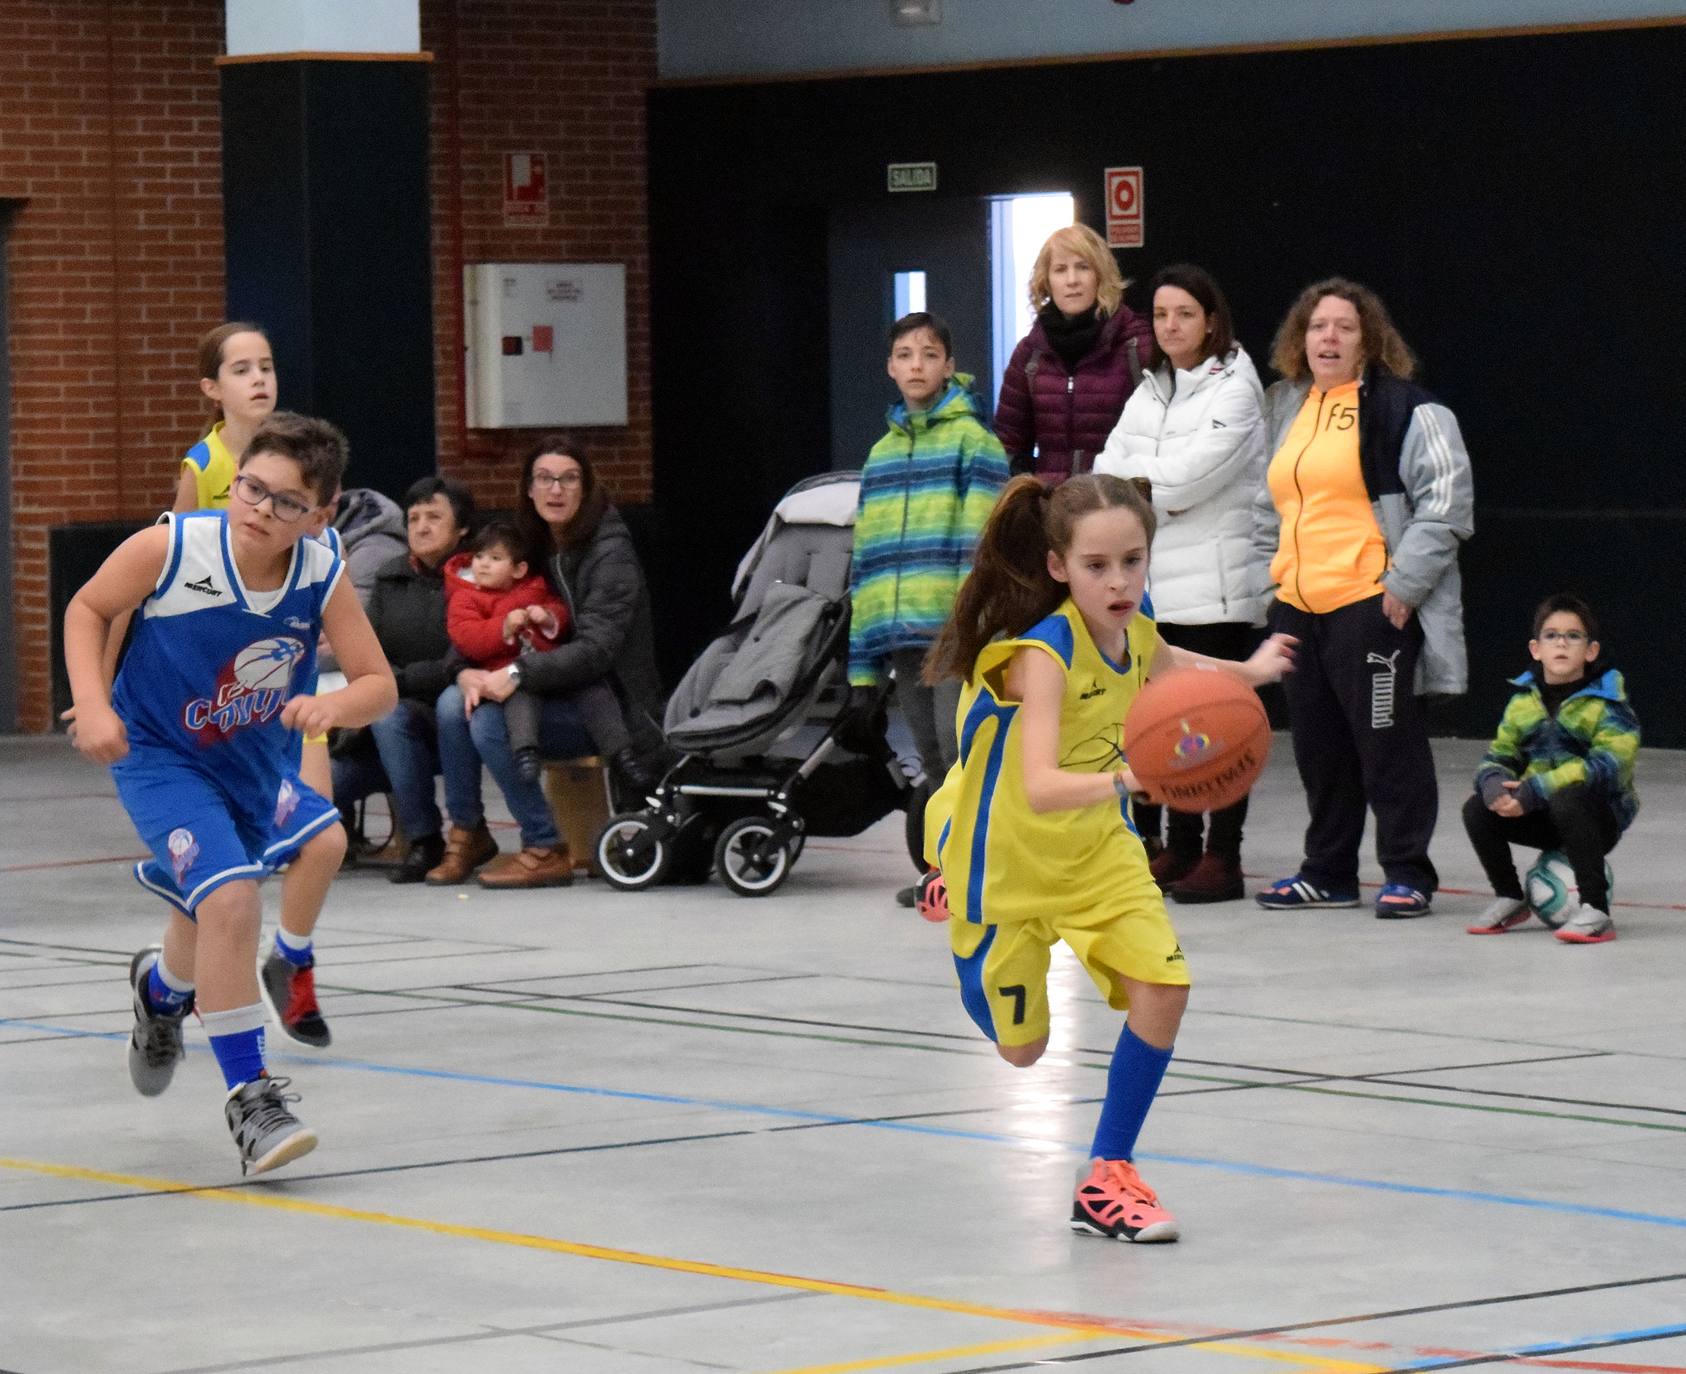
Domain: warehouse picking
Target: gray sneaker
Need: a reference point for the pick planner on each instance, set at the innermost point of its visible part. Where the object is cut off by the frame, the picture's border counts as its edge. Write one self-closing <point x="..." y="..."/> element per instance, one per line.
<point x="155" y="1045"/>
<point x="1586" y="925"/>
<point x="267" y="1133"/>
<point x="1502" y="914"/>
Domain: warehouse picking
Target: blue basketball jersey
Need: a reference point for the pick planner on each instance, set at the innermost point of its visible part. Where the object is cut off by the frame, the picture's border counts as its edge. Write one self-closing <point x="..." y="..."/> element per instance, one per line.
<point x="212" y="663"/>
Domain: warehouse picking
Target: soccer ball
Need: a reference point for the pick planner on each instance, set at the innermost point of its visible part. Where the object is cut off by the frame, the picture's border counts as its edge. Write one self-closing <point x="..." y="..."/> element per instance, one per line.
<point x="1551" y="889"/>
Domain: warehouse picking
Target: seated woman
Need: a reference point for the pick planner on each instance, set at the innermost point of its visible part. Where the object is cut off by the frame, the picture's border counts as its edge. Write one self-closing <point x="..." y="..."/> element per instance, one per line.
<point x="400" y="753"/>
<point x="586" y="553"/>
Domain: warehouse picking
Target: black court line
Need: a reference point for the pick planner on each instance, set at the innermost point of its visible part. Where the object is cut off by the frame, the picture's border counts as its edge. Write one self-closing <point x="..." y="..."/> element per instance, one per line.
<point x="496" y="1333"/>
<point x="1426" y="1309"/>
<point x="1528" y="1097"/>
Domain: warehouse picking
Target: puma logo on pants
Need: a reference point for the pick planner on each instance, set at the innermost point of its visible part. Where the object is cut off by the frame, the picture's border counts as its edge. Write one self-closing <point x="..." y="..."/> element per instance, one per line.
<point x="1382" y="688"/>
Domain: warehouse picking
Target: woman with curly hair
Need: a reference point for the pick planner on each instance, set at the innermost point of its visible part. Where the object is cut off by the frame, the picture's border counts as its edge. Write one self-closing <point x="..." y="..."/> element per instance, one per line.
<point x="1367" y="498"/>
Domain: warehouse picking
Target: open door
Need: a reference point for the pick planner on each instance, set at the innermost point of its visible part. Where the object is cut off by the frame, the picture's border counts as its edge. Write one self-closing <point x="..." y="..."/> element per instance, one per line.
<point x="947" y="241"/>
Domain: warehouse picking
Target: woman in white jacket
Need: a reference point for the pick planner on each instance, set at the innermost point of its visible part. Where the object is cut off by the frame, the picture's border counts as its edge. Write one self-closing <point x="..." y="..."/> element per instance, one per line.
<point x="1195" y="429"/>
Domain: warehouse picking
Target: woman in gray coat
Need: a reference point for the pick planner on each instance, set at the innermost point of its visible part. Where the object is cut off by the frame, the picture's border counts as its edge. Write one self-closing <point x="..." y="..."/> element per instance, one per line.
<point x="1367" y="498"/>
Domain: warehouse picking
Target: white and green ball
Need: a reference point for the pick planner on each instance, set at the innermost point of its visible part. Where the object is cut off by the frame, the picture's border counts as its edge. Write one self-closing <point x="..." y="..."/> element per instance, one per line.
<point x="1551" y="889"/>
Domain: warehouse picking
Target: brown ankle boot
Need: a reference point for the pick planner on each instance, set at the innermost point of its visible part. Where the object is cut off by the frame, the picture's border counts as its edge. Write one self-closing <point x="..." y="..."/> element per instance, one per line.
<point x="530" y="868"/>
<point x="1169" y="865"/>
<point x="1216" y="878"/>
<point x="465" y="851"/>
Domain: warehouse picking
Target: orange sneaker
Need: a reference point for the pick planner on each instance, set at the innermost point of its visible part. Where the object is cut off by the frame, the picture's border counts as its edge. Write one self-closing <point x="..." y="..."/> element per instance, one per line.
<point x="1113" y="1202"/>
<point x="932" y="899"/>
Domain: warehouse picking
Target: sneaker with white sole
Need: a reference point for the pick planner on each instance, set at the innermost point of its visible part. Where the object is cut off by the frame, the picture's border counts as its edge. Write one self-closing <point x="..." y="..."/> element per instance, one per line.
<point x="1113" y="1202"/>
<point x="1298" y="894"/>
<point x="155" y="1046"/>
<point x="1586" y="925"/>
<point x="265" y="1130"/>
<point x="1502" y="914"/>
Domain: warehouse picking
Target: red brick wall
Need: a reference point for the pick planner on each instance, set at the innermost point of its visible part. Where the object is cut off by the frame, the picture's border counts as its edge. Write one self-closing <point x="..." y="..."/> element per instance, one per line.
<point x="567" y="79"/>
<point x="110" y="150"/>
<point x="110" y="139"/>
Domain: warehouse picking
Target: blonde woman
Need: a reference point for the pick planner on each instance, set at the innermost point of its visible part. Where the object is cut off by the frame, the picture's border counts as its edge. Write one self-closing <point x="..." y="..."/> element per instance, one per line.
<point x="1068" y="379"/>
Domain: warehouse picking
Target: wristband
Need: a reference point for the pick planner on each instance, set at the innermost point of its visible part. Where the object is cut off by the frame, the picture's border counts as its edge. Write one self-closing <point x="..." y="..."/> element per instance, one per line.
<point x="1119" y="786"/>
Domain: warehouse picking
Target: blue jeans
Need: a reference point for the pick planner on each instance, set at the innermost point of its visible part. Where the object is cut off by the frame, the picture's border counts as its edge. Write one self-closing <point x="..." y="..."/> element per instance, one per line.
<point x="408" y="744"/>
<point x="466" y="744"/>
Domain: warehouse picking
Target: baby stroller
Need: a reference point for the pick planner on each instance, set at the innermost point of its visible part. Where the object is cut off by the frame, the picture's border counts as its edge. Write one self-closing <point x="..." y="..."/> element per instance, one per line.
<point x="773" y="745"/>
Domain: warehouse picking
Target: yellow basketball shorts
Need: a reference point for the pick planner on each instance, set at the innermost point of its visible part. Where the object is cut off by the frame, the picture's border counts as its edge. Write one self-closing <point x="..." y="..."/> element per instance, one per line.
<point x="1003" y="969"/>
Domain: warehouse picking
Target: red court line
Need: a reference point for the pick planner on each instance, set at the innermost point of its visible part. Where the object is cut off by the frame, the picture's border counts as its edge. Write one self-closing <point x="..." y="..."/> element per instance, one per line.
<point x="76" y="863"/>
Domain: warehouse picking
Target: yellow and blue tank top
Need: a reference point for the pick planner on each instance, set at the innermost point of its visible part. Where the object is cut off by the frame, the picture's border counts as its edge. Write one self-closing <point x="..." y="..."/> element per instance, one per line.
<point x="213" y="468"/>
<point x="1002" y="860"/>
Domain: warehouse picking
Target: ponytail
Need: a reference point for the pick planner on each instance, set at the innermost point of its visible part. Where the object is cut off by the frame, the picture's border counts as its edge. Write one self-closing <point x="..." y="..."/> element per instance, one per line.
<point x="1010" y="588"/>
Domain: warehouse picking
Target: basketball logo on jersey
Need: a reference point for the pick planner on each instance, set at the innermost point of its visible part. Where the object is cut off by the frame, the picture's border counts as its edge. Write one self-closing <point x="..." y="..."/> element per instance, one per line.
<point x="251" y="689"/>
<point x="286" y="802"/>
<point x="184" y="849"/>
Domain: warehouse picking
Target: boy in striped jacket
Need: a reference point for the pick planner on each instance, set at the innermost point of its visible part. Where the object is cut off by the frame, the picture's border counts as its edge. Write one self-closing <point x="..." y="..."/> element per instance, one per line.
<point x="927" y="488"/>
<point x="1558" y="775"/>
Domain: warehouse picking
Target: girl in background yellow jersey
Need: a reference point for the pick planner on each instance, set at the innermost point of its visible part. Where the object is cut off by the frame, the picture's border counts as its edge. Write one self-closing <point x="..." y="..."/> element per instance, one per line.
<point x="237" y="374"/>
<point x="1030" y="829"/>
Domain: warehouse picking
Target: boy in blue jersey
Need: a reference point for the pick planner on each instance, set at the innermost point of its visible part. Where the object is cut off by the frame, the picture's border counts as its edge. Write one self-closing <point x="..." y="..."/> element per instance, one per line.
<point x="199" y="730"/>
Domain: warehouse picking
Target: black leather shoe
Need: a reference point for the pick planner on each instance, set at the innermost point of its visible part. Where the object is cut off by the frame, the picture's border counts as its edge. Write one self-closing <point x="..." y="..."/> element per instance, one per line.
<point x="423" y="854"/>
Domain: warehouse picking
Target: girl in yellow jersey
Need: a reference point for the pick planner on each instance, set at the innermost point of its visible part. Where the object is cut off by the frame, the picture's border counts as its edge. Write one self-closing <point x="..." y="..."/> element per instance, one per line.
<point x="1030" y="829"/>
<point x="237" y="375"/>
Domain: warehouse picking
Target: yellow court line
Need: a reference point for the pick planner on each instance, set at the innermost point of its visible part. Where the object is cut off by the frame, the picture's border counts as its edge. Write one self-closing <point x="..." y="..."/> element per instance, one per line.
<point x="957" y="1352"/>
<point x="1084" y="1328"/>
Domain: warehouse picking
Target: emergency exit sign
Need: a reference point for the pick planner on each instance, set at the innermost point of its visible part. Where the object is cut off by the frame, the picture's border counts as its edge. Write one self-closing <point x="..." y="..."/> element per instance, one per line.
<point x="913" y="176"/>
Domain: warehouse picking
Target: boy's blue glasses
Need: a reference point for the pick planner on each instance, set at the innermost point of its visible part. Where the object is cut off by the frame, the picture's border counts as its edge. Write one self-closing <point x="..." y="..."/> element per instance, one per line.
<point x="288" y="509"/>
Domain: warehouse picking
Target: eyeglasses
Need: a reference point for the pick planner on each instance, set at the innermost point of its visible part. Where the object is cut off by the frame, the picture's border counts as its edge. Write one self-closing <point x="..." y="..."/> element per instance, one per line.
<point x="287" y="509"/>
<point x="544" y="480"/>
<point x="1563" y="637"/>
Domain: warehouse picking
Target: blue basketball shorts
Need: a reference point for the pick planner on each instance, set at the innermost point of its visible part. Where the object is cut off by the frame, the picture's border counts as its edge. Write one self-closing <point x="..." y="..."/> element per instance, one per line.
<point x="199" y="838"/>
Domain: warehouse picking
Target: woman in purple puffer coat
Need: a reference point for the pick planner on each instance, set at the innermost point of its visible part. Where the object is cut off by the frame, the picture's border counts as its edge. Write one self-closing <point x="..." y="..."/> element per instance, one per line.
<point x="1068" y="379"/>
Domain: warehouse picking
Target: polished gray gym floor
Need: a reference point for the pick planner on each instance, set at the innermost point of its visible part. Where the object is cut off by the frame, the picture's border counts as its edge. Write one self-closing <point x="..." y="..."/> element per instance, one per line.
<point x="588" y="1131"/>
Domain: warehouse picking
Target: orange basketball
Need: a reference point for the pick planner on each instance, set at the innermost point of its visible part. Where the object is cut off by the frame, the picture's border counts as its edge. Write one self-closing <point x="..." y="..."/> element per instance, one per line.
<point x="1198" y="738"/>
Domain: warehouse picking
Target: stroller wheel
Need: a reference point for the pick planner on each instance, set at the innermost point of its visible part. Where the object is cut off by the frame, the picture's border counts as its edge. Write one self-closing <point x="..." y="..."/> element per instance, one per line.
<point x="752" y="856"/>
<point x="633" y="852"/>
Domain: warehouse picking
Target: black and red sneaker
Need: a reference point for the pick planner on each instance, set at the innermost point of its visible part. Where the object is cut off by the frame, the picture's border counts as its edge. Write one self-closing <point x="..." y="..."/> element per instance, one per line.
<point x="290" y="991"/>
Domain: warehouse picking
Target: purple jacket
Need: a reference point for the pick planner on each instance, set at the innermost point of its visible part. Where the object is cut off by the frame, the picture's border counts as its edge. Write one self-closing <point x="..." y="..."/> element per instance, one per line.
<point x="1065" y="418"/>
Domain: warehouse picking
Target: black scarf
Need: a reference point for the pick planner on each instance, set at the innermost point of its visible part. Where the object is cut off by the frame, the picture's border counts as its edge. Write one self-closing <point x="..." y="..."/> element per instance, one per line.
<point x="1073" y="339"/>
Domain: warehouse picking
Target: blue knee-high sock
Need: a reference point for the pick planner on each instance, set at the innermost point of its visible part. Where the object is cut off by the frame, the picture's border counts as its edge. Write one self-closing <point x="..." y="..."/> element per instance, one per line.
<point x="165" y="993"/>
<point x="237" y="1042"/>
<point x="1131" y="1082"/>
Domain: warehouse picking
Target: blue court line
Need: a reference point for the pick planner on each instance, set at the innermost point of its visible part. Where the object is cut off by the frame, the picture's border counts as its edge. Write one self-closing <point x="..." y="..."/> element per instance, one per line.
<point x="1649" y="1333"/>
<point x="1227" y="1166"/>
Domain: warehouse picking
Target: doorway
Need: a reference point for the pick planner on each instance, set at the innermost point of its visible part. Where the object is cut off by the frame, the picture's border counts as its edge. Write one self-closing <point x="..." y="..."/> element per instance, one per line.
<point x="886" y="259"/>
<point x="968" y="261"/>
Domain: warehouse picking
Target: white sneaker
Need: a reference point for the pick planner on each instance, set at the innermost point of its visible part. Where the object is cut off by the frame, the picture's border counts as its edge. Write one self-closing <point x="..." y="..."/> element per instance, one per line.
<point x="1502" y="914"/>
<point x="1586" y="925"/>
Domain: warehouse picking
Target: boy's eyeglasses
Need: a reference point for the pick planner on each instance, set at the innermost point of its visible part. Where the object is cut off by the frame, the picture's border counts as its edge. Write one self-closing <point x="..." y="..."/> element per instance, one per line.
<point x="1563" y="636"/>
<point x="543" y="481"/>
<point x="287" y="509"/>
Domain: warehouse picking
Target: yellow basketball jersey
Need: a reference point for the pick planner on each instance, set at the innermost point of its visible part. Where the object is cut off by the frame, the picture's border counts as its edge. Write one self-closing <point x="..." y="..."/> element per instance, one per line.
<point x="213" y="469"/>
<point x="1002" y="860"/>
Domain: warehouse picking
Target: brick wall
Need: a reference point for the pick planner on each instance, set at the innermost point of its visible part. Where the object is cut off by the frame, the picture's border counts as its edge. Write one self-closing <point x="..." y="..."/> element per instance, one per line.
<point x="110" y="153"/>
<point x="569" y="80"/>
<point x="109" y="138"/>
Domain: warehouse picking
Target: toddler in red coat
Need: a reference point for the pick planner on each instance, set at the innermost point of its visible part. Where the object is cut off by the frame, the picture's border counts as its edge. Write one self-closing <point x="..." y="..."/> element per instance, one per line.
<point x="496" y="611"/>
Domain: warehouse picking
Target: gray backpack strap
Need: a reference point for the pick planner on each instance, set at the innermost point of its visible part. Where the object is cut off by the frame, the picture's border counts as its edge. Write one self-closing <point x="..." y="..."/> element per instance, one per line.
<point x="1135" y="352"/>
<point x="1031" y="363"/>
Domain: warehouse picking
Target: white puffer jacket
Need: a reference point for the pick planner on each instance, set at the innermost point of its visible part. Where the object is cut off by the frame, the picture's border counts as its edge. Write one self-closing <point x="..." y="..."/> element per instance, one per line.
<point x="1199" y="437"/>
